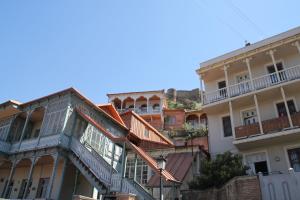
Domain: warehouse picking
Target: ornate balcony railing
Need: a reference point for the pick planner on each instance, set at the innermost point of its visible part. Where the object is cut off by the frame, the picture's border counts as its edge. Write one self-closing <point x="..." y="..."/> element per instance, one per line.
<point x="265" y="81"/>
<point x="269" y="126"/>
<point x="150" y="110"/>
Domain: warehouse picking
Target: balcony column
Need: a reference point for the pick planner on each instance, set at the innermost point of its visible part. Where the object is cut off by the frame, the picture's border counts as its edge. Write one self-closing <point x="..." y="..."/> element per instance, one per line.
<point x="25" y="126"/>
<point x="135" y="167"/>
<point x="231" y="119"/>
<point x="112" y="162"/>
<point x="11" y="174"/>
<point x="124" y="163"/>
<point x="53" y="175"/>
<point x="121" y="105"/>
<point x="134" y="104"/>
<point x="201" y="90"/>
<point x="271" y="53"/>
<point x="61" y="178"/>
<point x="33" y="160"/>
<point x="297" y="44"/>
<point x="286" y="106"/>
<point x="10" y="127"/>
<point x="226" y="79"/>
<point x="247" y="61"/>
<point x="148" y="110"/>
<point x="258" y="115"/>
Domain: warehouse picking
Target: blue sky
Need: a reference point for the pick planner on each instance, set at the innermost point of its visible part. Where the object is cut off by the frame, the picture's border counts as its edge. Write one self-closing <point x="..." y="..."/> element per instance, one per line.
<point x="107" y="46"/>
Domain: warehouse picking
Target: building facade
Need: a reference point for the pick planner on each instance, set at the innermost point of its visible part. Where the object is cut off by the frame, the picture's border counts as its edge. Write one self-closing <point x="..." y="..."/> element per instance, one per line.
<point x="63" y="145"/>
<point x="252" y="102"/>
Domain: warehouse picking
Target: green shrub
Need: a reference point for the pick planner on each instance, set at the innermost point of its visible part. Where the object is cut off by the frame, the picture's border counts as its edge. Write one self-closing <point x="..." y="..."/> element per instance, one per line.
<point x="215" y="173"/>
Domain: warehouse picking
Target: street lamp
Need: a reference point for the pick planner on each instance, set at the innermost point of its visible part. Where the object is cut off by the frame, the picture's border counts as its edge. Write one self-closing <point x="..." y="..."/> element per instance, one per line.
<point x="161" y="163"/>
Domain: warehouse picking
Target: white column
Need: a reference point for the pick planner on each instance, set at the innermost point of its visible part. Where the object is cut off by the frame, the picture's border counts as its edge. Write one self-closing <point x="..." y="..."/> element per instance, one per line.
<point x="148" y="110"/>
<point x="271" y="53"/>
<point x="201" y="90"/>
<point x="226" y="80"/>
<point x="297" y="45"/>
<point x="247" y="60"/>
<point x="286" y="106"/>
<point x="121" y="104"/>
<point x="258" y="115"/>
<point x="135" y="167"/>
<point x="232" y="119"/>
<point x="134" y="104"/>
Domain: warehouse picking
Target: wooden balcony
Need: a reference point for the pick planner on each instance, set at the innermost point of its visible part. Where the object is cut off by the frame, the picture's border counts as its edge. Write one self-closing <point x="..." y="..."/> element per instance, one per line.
<point x="269" y="126"/>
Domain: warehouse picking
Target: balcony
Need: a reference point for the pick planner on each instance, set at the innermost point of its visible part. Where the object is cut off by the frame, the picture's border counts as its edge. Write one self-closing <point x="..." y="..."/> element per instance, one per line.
<point x="142" y="111"/>
<point x="269" y="126"/>
<point x="259" y="83"/>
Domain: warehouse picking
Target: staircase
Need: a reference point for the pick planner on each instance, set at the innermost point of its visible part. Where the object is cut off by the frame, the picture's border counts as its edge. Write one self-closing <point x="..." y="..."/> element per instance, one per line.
<point x="97" y="171"/>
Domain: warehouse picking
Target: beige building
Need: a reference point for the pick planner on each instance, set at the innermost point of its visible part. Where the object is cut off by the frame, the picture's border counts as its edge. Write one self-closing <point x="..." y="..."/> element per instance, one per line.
<point x="252" y="100"/>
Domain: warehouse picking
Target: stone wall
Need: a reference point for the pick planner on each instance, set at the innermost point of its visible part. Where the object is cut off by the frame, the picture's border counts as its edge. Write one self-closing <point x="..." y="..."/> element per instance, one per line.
<point x="244" y="187"/>
<point x="183" y="95"/>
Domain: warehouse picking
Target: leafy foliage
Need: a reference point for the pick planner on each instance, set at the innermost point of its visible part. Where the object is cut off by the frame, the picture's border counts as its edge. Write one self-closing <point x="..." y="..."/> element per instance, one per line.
<point x="215" y="173"/>
<point x="187" y="104"/>
<point x="193" y="132"/>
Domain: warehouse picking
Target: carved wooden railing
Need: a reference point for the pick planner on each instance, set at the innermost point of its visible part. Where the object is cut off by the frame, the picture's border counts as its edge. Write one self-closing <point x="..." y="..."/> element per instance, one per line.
<point x="98" y="166"/>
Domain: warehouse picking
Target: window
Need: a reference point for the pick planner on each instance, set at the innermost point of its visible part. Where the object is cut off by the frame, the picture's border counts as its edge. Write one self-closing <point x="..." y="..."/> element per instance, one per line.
<point x="146" y="133"/>
<point x="249" y="117"/>
<point x="9" y="189"/>
<point x="22" y="188"/>
<point x="222" y="88"/>
<point x="42" y="188"/>
<point x="141" y="171"/>
<point x="170" y="120"/>
<point x="281" y="108"/>
<point x="273" y="75"/>
<point x="294" y="157"/>
<point x="261" y="167"/>
<point x="156" y="107"/>
<point x="227" y="126"/>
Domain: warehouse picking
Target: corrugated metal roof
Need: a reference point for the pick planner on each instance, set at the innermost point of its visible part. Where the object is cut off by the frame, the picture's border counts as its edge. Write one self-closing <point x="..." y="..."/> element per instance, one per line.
<point x="178" y="164"/>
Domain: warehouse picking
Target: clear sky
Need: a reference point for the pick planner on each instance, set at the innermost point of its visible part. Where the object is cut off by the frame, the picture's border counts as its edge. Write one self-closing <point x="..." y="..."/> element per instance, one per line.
<point x="108" y="46"/>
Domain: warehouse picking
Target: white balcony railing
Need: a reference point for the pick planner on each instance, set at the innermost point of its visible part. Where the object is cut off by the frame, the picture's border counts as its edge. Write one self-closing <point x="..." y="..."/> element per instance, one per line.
<point x="265" y="81"/>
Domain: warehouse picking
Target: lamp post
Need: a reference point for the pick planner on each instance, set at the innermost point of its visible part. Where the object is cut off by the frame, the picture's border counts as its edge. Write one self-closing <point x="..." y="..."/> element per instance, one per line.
<point x="161" y="163"/>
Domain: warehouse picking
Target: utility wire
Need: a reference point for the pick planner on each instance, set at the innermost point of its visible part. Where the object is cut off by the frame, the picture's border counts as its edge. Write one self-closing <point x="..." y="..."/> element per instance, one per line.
<point x="238" y="33"/>
<point x="244" y="17"/>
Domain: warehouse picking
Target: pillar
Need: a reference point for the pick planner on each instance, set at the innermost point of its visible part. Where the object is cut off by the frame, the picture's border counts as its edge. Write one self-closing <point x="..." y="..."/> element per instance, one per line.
<point x="11" y="174"/>
<point x="54" y="170"/>
<point x="29" y="177"/>
<point x="112" y="161"/>
<point x="258" y="115"/>
<point x="271" y="53"/>
<point x="201" y="90"/>
<point x="286" y="106"/>
<point x="64" y="166"/>
<point x="124" y="161"/>
<point x="247" y="60"/>
<point x="226" y="80"/>
<point x="134" y="104"/>
<point x="231" y="119"/>
<point x="24" y="128"/>
<point x="135" y="167"/>
<point x="297" y="44"/>
<point x="148" y="105"/>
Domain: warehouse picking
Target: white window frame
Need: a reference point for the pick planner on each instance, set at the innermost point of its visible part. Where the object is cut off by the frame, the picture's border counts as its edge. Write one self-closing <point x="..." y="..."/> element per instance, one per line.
<point x="289" y="147"/>
<point x="256" y="152"/>
<point x="282" y="101"/>
<point x="246" y="109"/>
<point x="222" y="127"/>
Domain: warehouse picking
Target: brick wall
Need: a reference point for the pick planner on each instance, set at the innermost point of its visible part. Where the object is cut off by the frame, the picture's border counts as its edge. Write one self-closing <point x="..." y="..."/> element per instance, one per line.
<point x="244" y="187"/>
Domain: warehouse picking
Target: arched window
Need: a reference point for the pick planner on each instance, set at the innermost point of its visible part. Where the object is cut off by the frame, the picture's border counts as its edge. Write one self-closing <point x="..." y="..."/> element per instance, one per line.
<point x="143" y="107"/>
<point x="156" y="107"/>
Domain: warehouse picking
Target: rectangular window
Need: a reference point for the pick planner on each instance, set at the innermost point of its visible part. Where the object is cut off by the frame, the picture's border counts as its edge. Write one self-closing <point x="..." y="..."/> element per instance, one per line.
<point x="42" y="188"/>
<point x="249" y="117"/>
<point x="227" y="126"/>
<point x="22" y="188"/>
<point x="141" y="171"/>
<point x="281" y="108"/>
<point x="170" y="120"/>
<point x="294" y="157"/>
<point x="222" y="88"/>
<point x="146" y="133"/>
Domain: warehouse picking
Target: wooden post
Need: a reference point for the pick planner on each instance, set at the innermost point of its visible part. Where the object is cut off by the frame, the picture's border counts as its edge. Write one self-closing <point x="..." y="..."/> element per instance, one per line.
<point x="54" y="170"/>
<point x="29" y="177"/>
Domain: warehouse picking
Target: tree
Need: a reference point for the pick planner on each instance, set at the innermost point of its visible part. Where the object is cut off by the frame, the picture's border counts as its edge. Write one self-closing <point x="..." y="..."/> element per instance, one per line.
<point x="215" y="173"/>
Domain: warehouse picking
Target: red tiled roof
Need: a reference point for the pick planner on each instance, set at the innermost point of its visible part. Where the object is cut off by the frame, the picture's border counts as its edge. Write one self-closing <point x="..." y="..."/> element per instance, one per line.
<point x="152" y="163"/>
<point x="111" y="110"/>
<point x="178" y="164"/>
